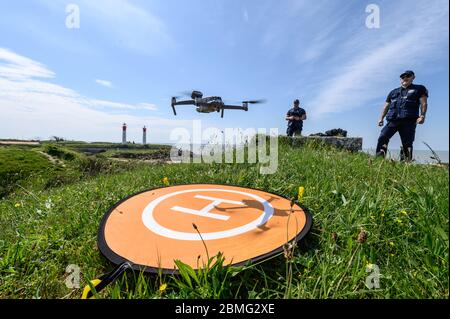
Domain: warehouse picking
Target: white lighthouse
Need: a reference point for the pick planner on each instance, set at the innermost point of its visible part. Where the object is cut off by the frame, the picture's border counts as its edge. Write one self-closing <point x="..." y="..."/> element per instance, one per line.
<point x="124" y="133"/>
<point x="144" y="135"/>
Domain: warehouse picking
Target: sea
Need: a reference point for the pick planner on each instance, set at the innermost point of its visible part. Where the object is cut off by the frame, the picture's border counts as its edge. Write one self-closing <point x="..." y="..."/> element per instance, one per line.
<point x="419" y="156"/>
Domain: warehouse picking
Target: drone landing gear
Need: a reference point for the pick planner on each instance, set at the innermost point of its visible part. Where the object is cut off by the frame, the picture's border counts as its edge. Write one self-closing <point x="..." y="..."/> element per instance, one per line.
<point x="174" y="100"/>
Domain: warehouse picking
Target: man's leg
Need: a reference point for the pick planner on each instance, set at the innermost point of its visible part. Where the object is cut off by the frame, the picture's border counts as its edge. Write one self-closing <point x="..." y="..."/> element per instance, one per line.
<point x="407" y="131"/>
<point x="386" y="133"/>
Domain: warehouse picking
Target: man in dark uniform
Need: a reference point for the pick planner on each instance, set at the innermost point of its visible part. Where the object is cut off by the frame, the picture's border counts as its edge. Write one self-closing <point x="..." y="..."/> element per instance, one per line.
<point x="402" y="114"/>
<point x="295" y="118"/>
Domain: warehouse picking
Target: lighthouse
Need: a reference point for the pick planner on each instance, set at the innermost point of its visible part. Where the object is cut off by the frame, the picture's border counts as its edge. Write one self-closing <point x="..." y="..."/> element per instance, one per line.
<point x="124" y="133"/>
<point x="144" y="135"/>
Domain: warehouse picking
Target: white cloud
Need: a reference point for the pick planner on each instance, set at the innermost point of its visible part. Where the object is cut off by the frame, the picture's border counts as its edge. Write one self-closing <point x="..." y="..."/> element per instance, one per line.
<point x="19" y="67"/>
<point x="303" y="29"/>
<point x="104" y="83"/>
<point x="147" y="106"/>
<point x="367" y="63"/>
<point x="245" y="15"/>
<point x="343" y="64"/>
<point x="123" y="106"/>
<point x="31" y="107"/>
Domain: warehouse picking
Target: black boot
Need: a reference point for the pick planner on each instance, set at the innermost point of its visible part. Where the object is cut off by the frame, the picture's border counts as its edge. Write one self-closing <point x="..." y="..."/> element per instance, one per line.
<point x="402" y="154"/>
<point x="406" y="153"/>
<point x="409" y="154"/>
<point x="381" y="151"/>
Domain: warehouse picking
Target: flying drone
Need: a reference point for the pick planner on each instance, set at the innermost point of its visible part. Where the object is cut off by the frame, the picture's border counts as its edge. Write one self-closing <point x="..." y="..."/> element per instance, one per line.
<point x="211" y="103"/>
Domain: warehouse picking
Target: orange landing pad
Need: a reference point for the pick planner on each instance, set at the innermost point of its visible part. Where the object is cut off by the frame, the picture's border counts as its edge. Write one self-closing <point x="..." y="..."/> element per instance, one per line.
<point x="153" y="228"/>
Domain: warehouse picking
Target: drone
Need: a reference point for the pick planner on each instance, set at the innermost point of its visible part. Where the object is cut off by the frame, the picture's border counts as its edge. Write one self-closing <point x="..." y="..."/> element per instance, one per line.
<point x="211" y="103"/>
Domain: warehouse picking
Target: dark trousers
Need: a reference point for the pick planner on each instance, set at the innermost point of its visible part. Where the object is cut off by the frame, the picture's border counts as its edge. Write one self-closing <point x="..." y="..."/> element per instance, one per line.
<point x="407" y="130"/>
<point x="294" y="130"/>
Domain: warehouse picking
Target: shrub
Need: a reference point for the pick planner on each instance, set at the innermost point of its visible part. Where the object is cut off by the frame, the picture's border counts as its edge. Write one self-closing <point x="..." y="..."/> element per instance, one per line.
<point x="60" y="152"/>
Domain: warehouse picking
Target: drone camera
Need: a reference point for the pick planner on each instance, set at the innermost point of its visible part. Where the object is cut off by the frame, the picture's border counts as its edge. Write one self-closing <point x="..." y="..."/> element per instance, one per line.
<point x="196" y="95"/>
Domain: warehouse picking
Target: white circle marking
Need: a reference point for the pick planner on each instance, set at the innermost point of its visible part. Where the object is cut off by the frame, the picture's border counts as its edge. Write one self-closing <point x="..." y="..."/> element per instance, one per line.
<point x="150" y="222"/>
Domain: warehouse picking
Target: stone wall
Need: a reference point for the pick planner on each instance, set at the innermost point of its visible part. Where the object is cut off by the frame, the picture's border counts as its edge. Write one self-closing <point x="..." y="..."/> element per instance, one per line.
<point x="348" y="143"/>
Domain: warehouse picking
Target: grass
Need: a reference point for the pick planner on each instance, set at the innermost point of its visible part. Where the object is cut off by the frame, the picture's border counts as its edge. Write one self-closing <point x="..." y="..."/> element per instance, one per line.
<point x="401" y="208"/>
<point x="141" y="154"/>
<point x="18" y="164"/>
<point x="24" y="168"/>
<point x="81" y="145"/>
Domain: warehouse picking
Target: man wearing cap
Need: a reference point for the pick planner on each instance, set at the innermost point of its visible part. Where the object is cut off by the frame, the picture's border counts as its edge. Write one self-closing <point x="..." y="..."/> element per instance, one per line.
<point x="295" y="118"/>
<point x="402" y="114"/>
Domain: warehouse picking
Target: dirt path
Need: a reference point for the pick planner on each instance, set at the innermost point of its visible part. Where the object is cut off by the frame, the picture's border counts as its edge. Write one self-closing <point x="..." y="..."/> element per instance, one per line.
<point x="53" y="160"/>
<point x="18" y="143"/>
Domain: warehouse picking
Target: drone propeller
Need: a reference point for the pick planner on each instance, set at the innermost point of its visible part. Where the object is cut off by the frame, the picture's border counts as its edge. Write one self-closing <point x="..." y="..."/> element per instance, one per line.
<point x="254" y="101"/>
<point x="248" y="102"/>
<point x="186" y="93"/>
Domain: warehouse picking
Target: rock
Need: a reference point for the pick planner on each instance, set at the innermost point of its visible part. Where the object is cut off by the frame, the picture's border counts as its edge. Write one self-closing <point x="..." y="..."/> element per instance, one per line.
<point x="353" y="144"/>
<point x="336" y="137"/>
<point x="336" y="132"/>
<point x="333" y="132"/>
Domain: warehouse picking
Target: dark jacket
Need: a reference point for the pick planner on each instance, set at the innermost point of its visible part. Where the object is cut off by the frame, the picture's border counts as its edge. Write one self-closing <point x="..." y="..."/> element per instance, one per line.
<point x="296" y="112"/>
<point x="405" y="102"/>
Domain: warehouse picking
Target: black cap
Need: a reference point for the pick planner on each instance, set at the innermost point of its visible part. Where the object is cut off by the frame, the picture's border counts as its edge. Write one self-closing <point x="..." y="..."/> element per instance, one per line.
<point x="407" y="73"/>
<point x="296" y="101"/>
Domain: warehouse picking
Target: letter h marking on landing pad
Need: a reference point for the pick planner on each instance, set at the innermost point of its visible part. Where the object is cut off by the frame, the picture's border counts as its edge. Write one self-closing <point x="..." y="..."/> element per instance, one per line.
<point x="205" y="211"/>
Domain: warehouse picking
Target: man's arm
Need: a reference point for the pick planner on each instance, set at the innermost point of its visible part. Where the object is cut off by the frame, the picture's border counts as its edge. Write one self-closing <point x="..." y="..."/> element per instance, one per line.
<point x="289" y="117"/>
<point x="383" y="113"/>
<point x="303" y="117"/>
<point x="423" y="109"/>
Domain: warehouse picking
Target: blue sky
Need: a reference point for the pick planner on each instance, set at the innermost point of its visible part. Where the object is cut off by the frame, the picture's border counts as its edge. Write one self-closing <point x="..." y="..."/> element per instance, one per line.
<point x="129" y="57"/>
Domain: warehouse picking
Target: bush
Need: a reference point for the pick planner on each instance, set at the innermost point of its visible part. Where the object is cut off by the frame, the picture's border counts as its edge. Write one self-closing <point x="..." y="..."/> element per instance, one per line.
<point x="93" y="166"/>
<point x="60" y="152"/>
<point x="19" y="166"/>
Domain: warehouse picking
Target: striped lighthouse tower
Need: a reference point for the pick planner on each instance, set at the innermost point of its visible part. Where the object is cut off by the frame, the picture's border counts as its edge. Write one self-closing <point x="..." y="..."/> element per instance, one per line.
<point x="144" y="135"/>
<point x="124" y="133"/>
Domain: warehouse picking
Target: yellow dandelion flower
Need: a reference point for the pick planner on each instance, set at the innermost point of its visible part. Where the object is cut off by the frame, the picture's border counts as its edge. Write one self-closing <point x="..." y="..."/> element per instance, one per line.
<point x="369" y="266"/>
<point x="301" y="191"/>
<point x="398" y="220"/>
<point x="17" y="205"/>
<point x="165" y="181"/>
<point x="392" y="255"/>
<point x="391" y="243"/>
<point x="162" y="288"/>
<point x="404" y="212"/>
